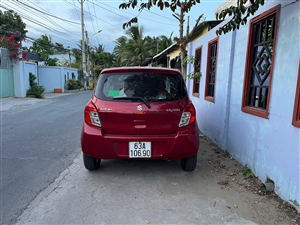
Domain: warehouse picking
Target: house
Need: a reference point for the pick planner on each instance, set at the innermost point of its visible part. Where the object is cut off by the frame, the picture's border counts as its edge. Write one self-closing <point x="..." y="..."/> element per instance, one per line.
<point x="14" y="75"/>
<point x="248" y="98"/>
<point x="170" y="57"/>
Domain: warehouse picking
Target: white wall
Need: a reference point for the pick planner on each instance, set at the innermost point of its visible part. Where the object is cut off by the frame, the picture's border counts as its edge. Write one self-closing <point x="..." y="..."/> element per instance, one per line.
<point x="21" y="70"/>
<point x="51" y="77"/>
<point x="270" y="147"/>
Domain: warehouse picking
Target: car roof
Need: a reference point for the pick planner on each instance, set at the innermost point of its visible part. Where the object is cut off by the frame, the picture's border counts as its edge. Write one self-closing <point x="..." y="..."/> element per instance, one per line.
<point x="140" y="69"/>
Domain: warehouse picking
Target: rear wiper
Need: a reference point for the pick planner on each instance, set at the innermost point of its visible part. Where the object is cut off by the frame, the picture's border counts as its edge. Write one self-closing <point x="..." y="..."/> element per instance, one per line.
<point x="134" y="98"/>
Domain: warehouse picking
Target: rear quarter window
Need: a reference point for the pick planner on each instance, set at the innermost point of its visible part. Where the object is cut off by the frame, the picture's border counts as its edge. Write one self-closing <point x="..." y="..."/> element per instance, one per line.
<point x="150" y="86"/>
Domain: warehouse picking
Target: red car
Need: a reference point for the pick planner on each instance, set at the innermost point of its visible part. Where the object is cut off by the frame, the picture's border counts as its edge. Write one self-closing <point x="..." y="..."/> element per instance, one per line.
<point x="140" y="113"/>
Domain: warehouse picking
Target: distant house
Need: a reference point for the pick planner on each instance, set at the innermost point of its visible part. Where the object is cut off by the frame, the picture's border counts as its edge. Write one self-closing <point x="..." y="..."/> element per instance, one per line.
<point x="32" y="57"/>
<point x="248" y="98"/>
<point x="63" y="59"/>
<point x="170" y="57"/>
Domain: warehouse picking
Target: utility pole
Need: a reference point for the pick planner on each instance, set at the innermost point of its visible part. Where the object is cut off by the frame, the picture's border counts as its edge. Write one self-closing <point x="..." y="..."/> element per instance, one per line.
<point x="83" y="45"/>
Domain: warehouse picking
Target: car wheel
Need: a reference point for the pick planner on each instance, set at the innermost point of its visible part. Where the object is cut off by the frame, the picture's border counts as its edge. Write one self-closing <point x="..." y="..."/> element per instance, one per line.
<point x="189" y="164"/>
<point x="91" y="163"/>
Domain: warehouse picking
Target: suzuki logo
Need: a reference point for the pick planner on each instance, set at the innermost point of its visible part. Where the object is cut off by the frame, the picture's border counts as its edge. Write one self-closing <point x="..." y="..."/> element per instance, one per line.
<point x="139" y="108"/>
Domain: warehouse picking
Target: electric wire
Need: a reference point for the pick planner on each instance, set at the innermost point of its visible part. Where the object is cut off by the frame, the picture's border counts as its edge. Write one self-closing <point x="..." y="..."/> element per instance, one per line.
<point x="92" y="19"/>
<point x="136" y="16"/>
<point x="120" y="16"/>
<point x="43" y="16"/>
<point x="124" y="11"/>
<point x="34" y="21"/>
<point x="47" y="13"/>
<point x="97" y="25"/>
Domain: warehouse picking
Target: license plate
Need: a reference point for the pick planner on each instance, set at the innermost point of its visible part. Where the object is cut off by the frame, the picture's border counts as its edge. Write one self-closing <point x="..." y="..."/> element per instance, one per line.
<point x="139" y="149"/>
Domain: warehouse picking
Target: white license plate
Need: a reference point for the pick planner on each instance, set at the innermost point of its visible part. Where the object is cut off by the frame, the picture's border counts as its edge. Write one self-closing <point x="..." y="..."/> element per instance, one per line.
<point x="139" y="149"/>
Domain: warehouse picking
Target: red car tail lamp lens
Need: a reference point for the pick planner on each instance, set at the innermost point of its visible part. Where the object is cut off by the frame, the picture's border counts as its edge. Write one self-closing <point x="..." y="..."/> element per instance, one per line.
<point x="188" y="116"/>
<point x="91" y="115"/>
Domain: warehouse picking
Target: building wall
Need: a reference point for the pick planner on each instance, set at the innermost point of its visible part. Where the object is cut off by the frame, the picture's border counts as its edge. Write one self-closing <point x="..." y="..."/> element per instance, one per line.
<point x="270" y="147"/>
<point x="51" y="77"/>
<point x="21" y="70"/>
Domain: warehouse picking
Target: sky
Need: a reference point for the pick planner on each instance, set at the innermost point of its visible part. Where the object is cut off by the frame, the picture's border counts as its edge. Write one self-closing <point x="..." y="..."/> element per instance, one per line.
<point x="61" y="20"/>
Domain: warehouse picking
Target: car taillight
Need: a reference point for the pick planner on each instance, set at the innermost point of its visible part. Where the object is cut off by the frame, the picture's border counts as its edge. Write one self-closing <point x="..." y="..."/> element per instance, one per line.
<point x="91" y="115"/>
<point x="188" y="116"/>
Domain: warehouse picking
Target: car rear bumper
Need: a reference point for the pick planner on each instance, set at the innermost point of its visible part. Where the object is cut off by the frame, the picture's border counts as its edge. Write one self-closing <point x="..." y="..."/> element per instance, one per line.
<point x="181" y="145"/>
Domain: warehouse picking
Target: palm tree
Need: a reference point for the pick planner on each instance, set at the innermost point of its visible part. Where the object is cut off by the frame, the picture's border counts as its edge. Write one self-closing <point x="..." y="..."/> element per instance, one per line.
<point x="120" y="51"/>
<point x="130" y="50"/>
<point x="164" y="42"/>
<point x="136" y="45"/>
<point x="134" y="48"/>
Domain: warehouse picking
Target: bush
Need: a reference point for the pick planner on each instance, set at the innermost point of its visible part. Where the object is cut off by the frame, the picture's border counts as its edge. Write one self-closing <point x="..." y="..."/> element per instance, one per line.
<point x="73" y="84"/>
<point x="37" y="91"/>
<point x="34" y="88"/>
<point x="79" y="84"/>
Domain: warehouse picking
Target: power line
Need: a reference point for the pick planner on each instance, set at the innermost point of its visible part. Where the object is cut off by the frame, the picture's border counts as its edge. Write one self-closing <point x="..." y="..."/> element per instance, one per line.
<point x="45" y="17"/>
<point x="124" y="11"/>
<point x="47" y="13"/>
<point x="34" y="21"/>
<point x="97" y="24"/>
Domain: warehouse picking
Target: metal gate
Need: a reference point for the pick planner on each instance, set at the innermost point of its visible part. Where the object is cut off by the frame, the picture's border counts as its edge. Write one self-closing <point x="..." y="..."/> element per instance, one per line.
<point x="6" y="83"/>
<point x="6" y="75"/>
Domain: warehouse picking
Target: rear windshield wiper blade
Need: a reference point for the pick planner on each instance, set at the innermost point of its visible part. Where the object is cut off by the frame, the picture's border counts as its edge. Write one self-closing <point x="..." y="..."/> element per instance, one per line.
<point x="134" y="98"/>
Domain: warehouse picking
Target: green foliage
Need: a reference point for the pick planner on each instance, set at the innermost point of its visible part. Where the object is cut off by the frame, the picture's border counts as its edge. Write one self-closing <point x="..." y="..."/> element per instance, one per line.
<point x="190" y="59"/>
<point x="194" y="75"/>
<point x="135" y="47"/>
<point x="247" y="171"/>
<point x="35" y="89"/>
<point x="51" y="61"/>
<point x="43" y="47"/>
<point x="239" y="14"/>
<point x="73" y="84"/>
<point x="173" y="5"/>
<point x="32" y="79"/>
<point x="79" y="84"/>
<point x="10" y="23"/>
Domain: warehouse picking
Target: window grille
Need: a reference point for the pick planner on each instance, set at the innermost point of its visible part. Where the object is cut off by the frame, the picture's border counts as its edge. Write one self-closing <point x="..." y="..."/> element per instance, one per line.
<point x="262" y="49"/>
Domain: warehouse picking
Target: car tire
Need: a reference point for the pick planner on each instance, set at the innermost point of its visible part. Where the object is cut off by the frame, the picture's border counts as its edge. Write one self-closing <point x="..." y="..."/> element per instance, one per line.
<point x="91" y="163"/>
<point x="189" y="164"/>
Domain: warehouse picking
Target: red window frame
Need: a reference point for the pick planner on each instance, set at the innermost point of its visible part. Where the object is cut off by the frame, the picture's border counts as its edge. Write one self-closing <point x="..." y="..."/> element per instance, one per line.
<point x="209" y="94"/>
<point x="249" y="60"/>
<point x="196" y="93"/>
<point x="296" y="114"/>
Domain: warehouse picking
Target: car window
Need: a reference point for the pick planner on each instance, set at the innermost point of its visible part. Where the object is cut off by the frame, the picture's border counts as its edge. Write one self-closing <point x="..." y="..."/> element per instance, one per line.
<point x="150" y="86"/>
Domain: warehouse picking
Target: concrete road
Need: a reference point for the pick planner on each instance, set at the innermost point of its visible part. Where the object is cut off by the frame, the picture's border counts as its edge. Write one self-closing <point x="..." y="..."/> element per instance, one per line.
<point x="129" y="192"/>
<point x="39" y="139"/>
<point x="121" y="191"/>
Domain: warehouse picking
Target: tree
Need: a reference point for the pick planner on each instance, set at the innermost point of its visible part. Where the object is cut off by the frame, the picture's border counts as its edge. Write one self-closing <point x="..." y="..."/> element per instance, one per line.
<point x="185" y="6"/>
<point x="134" y="48"/>
<point x="130" y="50"/>
<point x="239" y="14"/>
<point x="43" y="47"/>
<point x="120" y="50"/>
<point x="11" y="23"/>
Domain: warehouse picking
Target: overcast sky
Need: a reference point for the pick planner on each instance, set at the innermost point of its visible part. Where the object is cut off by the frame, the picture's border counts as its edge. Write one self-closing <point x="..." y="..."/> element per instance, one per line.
<point x="105" y="15"/>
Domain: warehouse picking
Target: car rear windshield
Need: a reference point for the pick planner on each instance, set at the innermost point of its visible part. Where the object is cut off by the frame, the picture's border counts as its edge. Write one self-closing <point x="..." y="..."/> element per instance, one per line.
<point x="152" y="87"/>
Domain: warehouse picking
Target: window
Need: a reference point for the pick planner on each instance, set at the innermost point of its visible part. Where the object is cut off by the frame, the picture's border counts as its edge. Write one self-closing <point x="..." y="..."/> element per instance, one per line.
<point x="211" y="70"/>
<point x="259" y="63"/>
<point x="152" y="87"/>
<point x="197" y="69"/>
<point x="296" y="116"/>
